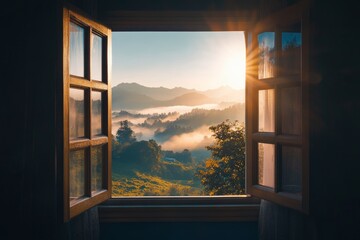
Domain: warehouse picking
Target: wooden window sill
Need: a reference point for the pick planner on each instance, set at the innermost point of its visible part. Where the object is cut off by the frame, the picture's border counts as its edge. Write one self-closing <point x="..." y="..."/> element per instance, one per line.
<point x="180" y="209"/>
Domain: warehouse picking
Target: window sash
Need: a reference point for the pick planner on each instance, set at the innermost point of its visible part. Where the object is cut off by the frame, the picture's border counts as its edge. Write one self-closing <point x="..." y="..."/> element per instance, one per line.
<point x="90" y="198"/>
<point x="275" y="23"/>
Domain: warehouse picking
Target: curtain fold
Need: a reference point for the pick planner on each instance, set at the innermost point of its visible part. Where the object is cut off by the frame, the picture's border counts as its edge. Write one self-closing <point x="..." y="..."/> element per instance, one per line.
<point x="280" y="223"/>
<point x="85" y="226"/>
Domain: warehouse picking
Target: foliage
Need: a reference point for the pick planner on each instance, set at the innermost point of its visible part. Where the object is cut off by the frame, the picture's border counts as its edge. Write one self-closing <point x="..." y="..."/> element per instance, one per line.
<point x="183" y="157"/>
<point x="143" y="155"/>
<point x="125" y="135"/>
<point x="189" y="122"/>
<point x="224" y="172"/>
<point x="171" y="130"/>
<point x="129" y="182"/>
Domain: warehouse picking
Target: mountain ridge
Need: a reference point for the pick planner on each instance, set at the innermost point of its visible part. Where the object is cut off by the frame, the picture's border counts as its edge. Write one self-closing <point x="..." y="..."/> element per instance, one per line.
<point x="136" y="96"/>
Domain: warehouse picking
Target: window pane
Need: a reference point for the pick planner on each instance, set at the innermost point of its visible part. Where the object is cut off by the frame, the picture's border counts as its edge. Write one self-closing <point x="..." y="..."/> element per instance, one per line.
<point x="96" y="126"/>
<point x="96" y="57"/>
<point x="96" y="168"/>
<point x="77" y="174"/>
<point x="291" y="110"/>
<point x="77" y="50"/>
<point x="266" y="164"/>
<point x="266" y="42"/>
<point x="290" y="60"/>
<point x="76" y="113"/>
<point x="267" y="110"/>
<point x="291" y="170"/>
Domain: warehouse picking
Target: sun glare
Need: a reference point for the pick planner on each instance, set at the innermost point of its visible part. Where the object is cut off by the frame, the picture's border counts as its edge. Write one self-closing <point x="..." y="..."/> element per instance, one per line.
<point x="233" y="61"/>
<point x="234" y="71"/>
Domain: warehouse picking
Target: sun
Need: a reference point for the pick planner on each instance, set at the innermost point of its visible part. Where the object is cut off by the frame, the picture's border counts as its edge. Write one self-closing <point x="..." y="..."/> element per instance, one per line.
<point x="234" y="67"/>
<point x="234" y="71"/>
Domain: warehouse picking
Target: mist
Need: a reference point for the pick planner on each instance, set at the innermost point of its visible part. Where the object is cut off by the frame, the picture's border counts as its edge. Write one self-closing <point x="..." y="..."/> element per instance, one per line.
<point x="197" y="139"/>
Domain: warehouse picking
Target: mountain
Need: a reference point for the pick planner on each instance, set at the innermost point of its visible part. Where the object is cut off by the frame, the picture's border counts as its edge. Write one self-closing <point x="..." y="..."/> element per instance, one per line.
<point x="130" y="100"/>
<point x="157" y="93"/>
<point x="226" y="94"/>
<point x="122" y="99"/>
<point x="135" y="96"/>
<point x="190" y="99"/>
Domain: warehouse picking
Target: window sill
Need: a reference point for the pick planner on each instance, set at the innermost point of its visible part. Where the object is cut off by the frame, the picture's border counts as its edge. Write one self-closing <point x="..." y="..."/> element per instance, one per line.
<point x="180" y="209"/>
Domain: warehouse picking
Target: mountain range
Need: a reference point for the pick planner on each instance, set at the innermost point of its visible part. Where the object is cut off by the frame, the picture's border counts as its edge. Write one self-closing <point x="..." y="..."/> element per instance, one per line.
<point x="135" y="96"/>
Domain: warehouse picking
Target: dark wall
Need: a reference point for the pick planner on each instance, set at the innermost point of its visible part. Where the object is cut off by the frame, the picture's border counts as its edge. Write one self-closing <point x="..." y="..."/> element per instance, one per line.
<point x="178" y="5"/>
<point x="179" y="231"/>
<point x="28" y="75"/>
<point x="335" y="118"/>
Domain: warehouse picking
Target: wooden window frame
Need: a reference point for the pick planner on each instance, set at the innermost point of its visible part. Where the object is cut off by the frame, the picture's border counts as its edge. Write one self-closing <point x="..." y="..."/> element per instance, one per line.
<point x="90" y="199"/>
<point x="275" y="23"/>
<point x="180" y="208"/>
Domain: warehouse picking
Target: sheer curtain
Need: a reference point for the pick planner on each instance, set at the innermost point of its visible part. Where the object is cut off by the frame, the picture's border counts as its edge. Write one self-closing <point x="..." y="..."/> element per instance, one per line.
<point x="280" y="223"/>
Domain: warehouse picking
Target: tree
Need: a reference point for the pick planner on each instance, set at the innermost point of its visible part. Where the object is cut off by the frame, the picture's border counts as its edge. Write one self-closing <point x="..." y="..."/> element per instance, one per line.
<point x="144" y="155"/>
<point x="125" y="135"/>
<point x="224" y="172"/>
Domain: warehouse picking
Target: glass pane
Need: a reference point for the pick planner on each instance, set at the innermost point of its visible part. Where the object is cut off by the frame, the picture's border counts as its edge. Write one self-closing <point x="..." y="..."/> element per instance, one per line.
<point x="290" y="60"/>
<point x="266" y="164"/>
<point x="76" y="113"/>
<point x="77" y="50"/>
<point x="96" y="57"/>
<point x="96" y="168"/>
<point x="77" y="174"/>
<point x="267" y="110"/>
<point x="291" y="110"/>
<point x="266" y="42"/>
<point x="96" y="126"/>
<point x="291" y="170"/>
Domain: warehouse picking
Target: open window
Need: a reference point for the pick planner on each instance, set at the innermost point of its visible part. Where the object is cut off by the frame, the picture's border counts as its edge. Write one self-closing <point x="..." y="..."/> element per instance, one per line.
<point x="276" y="109"/>
<point x="86" y="109"/>
<point x="276" y="119"/>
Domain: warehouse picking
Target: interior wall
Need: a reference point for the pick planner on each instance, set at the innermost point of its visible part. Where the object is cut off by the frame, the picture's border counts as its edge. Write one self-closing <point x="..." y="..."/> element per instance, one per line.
<point x="335" y="118"/>
<point x="29" y="73"/>
<point x="179" y="230"/>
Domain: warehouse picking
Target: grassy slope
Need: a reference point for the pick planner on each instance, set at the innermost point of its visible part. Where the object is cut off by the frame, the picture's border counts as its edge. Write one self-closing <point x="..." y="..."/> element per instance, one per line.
<point x="131" y="182"/>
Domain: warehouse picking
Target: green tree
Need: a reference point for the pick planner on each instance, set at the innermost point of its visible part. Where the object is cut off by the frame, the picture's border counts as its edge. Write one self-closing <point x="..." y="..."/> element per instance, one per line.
<point x="125" y="135"/>
<point x="224" y="172"/>
<point x="143" y="155"/>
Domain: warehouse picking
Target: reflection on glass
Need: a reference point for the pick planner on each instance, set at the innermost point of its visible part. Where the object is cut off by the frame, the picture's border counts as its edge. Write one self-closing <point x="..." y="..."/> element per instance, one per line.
<point x="76" y="113"/>
<point x="96" y="57"/>
<point x="291" y="170"/>
<point x="76" y="50"/>
<point x="96" y="128"/>
<point x="77" y="174"/>
<point x="96" y="168"/>
<point x="266" y="164"/>
<point x="290" y="61"/>
<point x="266" y="42"/>
<point x="290" y="53"/>
<point x="291" y="110"/>
<point x="267" y="110"/>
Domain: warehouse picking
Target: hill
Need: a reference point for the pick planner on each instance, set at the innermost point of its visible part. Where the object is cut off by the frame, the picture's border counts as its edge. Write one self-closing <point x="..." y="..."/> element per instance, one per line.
<point x="123" y="99"/>
<point x="135" y="96"/>
<point x="157" y="93"/>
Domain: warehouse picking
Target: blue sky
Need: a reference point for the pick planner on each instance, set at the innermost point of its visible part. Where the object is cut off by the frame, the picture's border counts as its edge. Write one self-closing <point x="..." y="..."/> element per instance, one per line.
<point x="200" y="60"/>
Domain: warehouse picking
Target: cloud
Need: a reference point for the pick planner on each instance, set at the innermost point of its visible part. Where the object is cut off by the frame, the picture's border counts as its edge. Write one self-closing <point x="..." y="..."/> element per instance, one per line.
<point x="199" y="138"/>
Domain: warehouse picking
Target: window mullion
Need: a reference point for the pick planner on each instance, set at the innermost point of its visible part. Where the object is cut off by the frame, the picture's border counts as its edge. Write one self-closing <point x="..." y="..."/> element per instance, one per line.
<point x="87" y="53"/>
<point x="277" y="167"/>
<point x="88" y="172"/>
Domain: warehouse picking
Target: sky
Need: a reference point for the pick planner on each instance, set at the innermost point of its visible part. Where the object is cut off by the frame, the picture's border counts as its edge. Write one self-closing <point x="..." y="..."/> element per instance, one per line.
<point x="195" y="60"/>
